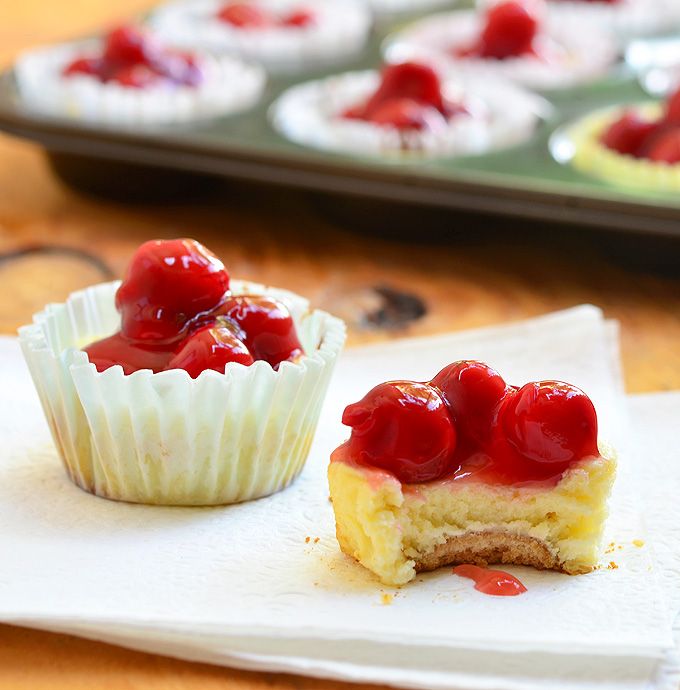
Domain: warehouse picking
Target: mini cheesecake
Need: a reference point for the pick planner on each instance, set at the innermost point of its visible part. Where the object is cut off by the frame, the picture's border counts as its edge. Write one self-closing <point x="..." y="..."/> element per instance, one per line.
<point x="466" y="469"/>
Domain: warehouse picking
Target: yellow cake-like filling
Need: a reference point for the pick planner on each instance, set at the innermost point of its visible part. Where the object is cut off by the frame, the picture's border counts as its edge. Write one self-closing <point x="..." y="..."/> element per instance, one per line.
<point x="395" y="530"/>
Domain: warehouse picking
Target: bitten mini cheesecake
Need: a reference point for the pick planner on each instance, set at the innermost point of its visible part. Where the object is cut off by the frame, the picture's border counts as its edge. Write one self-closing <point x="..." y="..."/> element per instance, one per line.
<point x="180" y="386"/>
<point x="467" y="469"/>
<point x="131" y="77"/>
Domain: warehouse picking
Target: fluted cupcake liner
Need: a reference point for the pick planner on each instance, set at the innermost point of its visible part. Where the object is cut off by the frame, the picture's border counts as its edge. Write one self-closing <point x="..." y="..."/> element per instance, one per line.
<point x="167" y="438"/>
<point x="229" y="86"/>
<point x="499" y="115"/>
<point x="580" y="52"/>
<point x="591" y="156"/>
<point x="339" y="32"/>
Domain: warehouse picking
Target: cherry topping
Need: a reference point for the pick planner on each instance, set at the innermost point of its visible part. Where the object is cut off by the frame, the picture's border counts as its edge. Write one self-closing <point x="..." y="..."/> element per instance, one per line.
<point x="134" y="58"/>
<point x="628" y="134"/>
<point x="82" y="65"/>
<point x="405" y="113"/>
<point x="267" y="325"/>
<point x="551" y="422"/>
<point x="298" y="18"/>
<point x="473" y="392"/>
<point x="666" y="147"/>
<point x="210" y="347"/>
<point x="169" y="283"/>
<point x="672" y="113"/>
<point x="244" y="15"/>
<point x="403" y="427"/>
<point x="127" y="45"/>
<point x="510" y="29"/>
<point x="410" y="80"/>
<point x="496" y="583"/>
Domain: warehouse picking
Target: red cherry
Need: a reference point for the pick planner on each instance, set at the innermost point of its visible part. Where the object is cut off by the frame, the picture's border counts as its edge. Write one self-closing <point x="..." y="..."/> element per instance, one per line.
<point x="268" y="329"/>
<point x="211" y="347"/>
<point x="672" y="112"/>
<point x="473" y="393"/>
<point x="135" y="76"/>
<point x="551" y="422"/>
<point x="628" y="134"/>
<point x="665" y="148"/>
<point x="127" y="45"/>
<point x="299" y="18"/>
<point x="408" y="80"/>
<point x="168" y="283"/>
<point x="82" y="65"/>
<point x="244" y="15"/>
<point x="403" y="427"/>
<point x="510" y="29"/>
<point x="405" y="113"/>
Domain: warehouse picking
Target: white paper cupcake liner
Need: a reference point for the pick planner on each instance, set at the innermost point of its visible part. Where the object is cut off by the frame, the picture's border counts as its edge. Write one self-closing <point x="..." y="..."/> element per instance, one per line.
<point x="167" y="438"/>
<point x="229" y="86"/>
<point x="339" y="33"/>
<point x="579" y="145"/>
<point x="501" y="115"/>
<point x="589" y="51"/>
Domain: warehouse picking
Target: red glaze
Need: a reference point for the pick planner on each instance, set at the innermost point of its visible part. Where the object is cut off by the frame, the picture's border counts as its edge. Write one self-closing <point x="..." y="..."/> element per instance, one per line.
<point x="130" y="354"/>
<point x="628" y="134"/>
<point x="405" y="113"/>
<point x="666" y="147"/>
<point x="246" y="15"/>
<point x="177" y="313"/>
<point x="267" y="326"/>
<point x="502" y="435"/>
<point x="210" y="347"/>
<point x="403" y="427"/>
<point x="133" y="58"/>
<point x="497" y="583"/>
<point x="672" y="112"/>
<point x="409" y="97"/>
<point x="509" y="30"/>
<point x="299" y="18"/>
<point x="169" y="283"/>
<point x="551" y="422"/>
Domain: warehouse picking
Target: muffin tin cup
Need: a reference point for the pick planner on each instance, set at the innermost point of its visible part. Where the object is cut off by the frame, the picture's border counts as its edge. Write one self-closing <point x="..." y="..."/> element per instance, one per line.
<point x="340" y="33"/>
<point x="590" y="156"/>
<point x="500" y="115"/>
<point x="582" y="53"/>
<point x="229" y="86"/>
<point x="169" y="439"/>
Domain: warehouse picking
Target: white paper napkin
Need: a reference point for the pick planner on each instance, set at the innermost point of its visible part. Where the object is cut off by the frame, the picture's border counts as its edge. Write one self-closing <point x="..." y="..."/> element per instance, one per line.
<point x="242" y="585"/>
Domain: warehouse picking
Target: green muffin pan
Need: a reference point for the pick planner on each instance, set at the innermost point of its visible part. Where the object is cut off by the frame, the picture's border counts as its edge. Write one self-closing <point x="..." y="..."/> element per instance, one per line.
<point x="523" y="181"/>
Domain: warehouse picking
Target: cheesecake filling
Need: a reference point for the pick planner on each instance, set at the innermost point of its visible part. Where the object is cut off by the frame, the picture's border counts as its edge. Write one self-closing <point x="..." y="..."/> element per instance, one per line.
<point x="397" y="530"/>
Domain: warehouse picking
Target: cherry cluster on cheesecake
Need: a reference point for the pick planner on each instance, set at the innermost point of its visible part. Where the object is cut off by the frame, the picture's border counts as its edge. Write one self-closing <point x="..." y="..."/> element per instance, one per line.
<point x="655" y="139"/>
<point x="250" y="15"/>
<point x="509" y="30"/>
<point x="177" y="312"/>
<point x="133" y="58"/>
<point x="409" y="97"/>
<point x="467" y="422"/>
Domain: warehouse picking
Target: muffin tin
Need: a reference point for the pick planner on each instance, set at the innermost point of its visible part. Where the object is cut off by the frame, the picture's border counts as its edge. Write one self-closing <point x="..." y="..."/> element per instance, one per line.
<point x="522" y="181"/>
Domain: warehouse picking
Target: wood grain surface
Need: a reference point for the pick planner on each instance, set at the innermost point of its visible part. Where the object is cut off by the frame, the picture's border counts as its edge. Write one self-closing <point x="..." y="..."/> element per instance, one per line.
<point x="476" y="272"/>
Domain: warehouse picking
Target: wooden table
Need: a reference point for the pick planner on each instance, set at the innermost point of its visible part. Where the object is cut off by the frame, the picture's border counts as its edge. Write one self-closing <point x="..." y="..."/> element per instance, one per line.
<point x="53" y="240"/>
